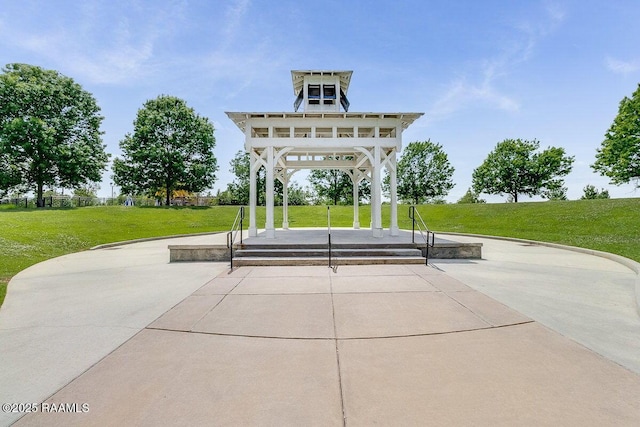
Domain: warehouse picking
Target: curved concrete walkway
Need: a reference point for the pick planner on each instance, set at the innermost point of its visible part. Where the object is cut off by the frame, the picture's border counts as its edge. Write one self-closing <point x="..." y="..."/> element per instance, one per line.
<point x="528" y="335"/>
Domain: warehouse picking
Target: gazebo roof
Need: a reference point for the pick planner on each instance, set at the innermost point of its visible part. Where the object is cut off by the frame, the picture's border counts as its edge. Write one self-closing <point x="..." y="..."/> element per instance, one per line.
<point x="240" y="118"/>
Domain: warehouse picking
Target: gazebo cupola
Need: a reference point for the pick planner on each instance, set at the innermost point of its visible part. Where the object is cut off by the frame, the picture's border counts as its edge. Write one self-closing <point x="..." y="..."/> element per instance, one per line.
<point x="324" y="135"/>
<point x="321" y="90"/>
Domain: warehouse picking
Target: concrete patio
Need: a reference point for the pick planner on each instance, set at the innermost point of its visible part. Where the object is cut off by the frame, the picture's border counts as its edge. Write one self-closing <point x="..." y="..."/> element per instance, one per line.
<point x="529" y="335"/>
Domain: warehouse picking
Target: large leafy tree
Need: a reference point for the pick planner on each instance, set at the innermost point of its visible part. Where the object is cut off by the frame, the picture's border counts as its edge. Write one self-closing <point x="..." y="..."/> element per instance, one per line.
<point x="424" y="172"/>
<point x="336" y="186"/>
<point x="332" y="185"/>
<point x="49" y="132"/>
<point x="171" y="148"/>
<point x="619" y="155"/>
<point x="515" y="167"/>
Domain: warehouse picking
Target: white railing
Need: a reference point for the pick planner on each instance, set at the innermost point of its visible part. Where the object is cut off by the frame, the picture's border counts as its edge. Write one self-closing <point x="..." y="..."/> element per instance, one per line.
<point x="329" y="232"/>
<point x="430" y="237"/>
<point x="233" y="233"/>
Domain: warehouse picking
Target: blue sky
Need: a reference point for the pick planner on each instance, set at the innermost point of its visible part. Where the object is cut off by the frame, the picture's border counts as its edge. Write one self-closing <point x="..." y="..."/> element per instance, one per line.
<point x="481" y="71"/>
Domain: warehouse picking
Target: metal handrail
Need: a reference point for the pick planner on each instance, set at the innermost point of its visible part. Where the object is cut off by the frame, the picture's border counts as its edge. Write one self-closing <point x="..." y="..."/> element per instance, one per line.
<point x="231" y="235"/>
<point x="430" y="238"/>
<point x="329" y="232"/>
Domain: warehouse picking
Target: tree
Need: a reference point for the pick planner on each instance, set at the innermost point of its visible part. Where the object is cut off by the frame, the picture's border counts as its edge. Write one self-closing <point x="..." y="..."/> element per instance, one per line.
<point x="335" y="186"/>
<point x="424" y="172"/>
<point x="224" y="198"/>
<point x="171" y="148"/>
<point x="332" y="185"/>
<point x="297" y="196"/>
<point x="514" y="167"/>
<point x="559" y="193"/>
<point x="10" y="178"/>
<point x="471" y="197"/>
<point x="86" y="191"/>
<point x="619" y="154"/>
<point x="591" y="192"/>
<point x="49" y="131"/>
<point x="239" y="188"/>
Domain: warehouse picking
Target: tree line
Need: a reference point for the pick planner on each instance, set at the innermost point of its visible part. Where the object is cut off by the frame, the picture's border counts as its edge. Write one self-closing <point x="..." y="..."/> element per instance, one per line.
<point x="50" y="137"/>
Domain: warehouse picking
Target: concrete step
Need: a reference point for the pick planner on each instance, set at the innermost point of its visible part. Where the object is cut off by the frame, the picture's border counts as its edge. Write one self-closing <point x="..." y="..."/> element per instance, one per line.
<point x="337" y="261"/>
<point x="402" y="251"/>
<point x="324" y="252"/>
<point x="324" y="246"/>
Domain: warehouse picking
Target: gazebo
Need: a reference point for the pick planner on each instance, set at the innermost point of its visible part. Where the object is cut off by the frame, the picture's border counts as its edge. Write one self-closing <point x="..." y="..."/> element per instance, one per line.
<point x="324" y="135"/>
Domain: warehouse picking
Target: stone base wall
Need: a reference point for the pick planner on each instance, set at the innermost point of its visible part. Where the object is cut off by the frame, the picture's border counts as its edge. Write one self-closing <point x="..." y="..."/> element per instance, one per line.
<point x="195" y="253"/>
<point x="454" y="251"/>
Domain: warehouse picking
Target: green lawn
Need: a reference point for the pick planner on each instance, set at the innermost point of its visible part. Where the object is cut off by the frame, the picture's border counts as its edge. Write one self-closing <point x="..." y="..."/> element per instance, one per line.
<point x="30" y="236"/>
<point x="605" y="225"/>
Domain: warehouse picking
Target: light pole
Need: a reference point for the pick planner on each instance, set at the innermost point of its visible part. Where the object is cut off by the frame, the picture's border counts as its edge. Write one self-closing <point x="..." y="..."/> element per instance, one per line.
<point x="111" y="183"/>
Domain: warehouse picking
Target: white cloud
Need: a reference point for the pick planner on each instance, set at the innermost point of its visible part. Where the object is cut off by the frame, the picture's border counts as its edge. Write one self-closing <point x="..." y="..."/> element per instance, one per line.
<point x="622" y="67"/>
<point x="462" y="94"/>
<point x="96" y="43"/>
<point x="122" y="43"/>
<point x="483" y="90"/>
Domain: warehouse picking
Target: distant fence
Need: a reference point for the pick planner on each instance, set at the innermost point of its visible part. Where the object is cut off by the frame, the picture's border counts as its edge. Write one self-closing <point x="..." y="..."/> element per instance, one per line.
<point x="75" y="202"/>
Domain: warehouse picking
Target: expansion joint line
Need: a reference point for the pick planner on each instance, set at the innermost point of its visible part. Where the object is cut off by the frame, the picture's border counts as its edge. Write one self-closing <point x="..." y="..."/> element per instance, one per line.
<point x="335" y="334"/>
<point x="426" y="334"/>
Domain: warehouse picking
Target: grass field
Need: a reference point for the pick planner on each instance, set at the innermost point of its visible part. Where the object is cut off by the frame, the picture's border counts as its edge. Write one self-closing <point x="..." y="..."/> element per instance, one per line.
<point x="30" y="236"/>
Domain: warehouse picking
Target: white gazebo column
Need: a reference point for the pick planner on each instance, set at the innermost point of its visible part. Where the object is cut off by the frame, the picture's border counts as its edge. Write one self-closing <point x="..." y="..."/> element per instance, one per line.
<point x="270" y="230"/>
<point x="376" y="195"/>
<point x="285" y="199"/>
<point x="393" y="194"/>
<point x="356" y="203"/>
<point x="253" y="169"/>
